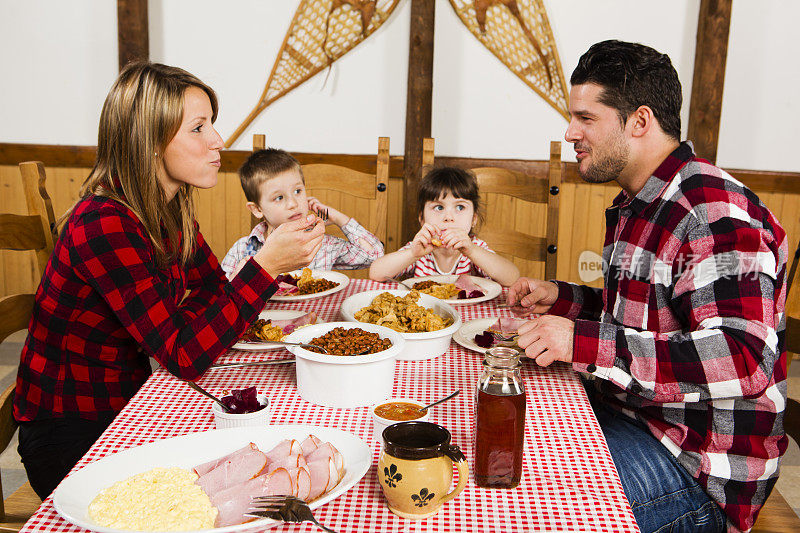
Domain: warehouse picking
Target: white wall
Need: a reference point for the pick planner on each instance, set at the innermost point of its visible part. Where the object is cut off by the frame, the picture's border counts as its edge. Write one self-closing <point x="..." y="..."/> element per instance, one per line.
<point x="60" y="58"/>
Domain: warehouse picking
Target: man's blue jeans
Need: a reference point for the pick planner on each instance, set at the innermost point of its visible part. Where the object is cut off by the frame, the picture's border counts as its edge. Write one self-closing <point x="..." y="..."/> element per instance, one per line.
<point x="663" y="496"/>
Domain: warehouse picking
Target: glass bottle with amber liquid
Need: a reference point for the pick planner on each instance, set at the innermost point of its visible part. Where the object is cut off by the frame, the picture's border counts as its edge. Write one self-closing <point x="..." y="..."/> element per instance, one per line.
<point x="499" y="420"/>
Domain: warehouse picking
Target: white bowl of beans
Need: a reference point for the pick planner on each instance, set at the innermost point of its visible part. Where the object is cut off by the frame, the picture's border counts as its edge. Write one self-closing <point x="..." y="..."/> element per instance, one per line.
<point x="345" y="381"/>
<point x="421" y="345"/>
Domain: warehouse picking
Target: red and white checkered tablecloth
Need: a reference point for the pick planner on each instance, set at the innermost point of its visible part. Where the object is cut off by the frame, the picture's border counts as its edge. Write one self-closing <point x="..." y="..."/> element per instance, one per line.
<point x="569" y="482"/>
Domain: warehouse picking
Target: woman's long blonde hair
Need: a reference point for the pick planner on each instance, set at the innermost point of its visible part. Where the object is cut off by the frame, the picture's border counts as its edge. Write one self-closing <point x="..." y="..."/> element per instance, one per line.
<point x="141" y="115"/>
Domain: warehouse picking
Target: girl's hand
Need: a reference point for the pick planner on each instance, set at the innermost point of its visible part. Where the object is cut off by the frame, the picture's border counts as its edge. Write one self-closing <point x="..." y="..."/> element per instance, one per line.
<point x="421" y="244"/>
<point x="334" y="216"/>
<point x="458" y="239"/>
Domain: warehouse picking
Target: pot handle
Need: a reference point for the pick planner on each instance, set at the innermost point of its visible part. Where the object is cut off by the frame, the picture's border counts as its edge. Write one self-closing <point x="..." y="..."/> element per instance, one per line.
<point x="454" y="453"/>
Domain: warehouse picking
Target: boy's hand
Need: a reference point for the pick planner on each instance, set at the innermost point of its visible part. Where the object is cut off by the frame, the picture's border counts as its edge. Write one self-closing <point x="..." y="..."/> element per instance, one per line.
<point x="457" y="239"/>
<point x="291" y="245"/>
<point x="422" y="243"/>
<point x="334" y="216"/>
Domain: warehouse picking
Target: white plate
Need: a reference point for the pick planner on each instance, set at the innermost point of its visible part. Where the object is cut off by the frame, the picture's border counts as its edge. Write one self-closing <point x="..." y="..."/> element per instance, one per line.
<point x="72" y="497"/>
<point x="273" y="314"/>
<point x="336" y="277"/>
<point x="465" y="336"/>
<point x="491" y="289"/>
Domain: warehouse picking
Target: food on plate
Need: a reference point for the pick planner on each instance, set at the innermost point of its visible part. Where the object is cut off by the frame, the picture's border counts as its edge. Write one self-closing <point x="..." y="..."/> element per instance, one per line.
<point x="269" y="330"/>
<point x="463" y="288"/>
<point x="350" y="341"/>
<point x="402" y="313"/>
<point x="306" y="469"/>
<point x="400" y="411"/>
<point x="161" y="499"/>
<point x="468" y="288"/>
<point x="503" y="327"/>
<point x="241" y="401"/>
<point x="443" y="291"/>
<point x="304" y="284"/>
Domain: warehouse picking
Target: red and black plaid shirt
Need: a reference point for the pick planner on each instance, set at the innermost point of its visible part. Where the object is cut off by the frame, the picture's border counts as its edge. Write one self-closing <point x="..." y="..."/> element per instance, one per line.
<point x="104" y="306"/>
<point x="687" y="334"/>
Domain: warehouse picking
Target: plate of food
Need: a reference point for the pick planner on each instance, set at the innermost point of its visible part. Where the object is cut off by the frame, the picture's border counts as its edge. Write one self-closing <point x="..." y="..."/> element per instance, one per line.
<point x="483" y="328"/>
<point x="124" y="491"/>
<point x="307" y="284"/>
<point x="274" y="325"/>
<point x="453" y="289"/>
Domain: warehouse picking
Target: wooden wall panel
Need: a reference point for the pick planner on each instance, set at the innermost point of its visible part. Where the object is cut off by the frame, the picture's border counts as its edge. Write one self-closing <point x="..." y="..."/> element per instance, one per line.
<point x="223" y="218"/>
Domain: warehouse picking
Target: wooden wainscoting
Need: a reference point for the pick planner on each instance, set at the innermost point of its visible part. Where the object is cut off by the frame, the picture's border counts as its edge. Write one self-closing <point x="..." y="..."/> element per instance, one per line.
<point x="223" y="217"/>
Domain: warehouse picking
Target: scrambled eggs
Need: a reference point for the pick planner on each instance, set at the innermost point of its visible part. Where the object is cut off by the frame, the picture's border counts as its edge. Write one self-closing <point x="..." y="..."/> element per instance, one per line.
<point x="162" y="499"/>
<point x="402" y="314"/>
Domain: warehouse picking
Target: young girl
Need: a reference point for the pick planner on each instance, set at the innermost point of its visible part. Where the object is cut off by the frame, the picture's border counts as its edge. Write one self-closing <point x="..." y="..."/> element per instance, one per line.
<point x="449" y="208"/>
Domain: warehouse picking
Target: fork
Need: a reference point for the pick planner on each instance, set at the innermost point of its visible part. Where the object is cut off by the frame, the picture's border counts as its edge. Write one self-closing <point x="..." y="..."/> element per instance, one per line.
<point x="502" y="338"/>
<point x="322" y="214"/>
<point x="284" y="507"/>
<point x="399" y="282"/>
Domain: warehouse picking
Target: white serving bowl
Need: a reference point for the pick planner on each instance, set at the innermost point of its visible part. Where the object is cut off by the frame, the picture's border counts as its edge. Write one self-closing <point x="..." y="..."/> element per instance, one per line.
<point x="418" y="345"/>
<point x="225" y="420"/>
<point x="344" y="381"/>
<point x="380" y="423"/>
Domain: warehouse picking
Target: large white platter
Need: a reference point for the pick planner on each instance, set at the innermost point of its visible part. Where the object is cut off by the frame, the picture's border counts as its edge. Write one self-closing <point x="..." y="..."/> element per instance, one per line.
<point x="491" y="289"/>
<point x="72" y="497"/>
<point x="336" y="277"/>
<point x="271" y="314"/>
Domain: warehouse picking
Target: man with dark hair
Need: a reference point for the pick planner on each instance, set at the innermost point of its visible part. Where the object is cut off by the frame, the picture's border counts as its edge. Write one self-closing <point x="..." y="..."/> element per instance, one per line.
<point x="683" y="348"/>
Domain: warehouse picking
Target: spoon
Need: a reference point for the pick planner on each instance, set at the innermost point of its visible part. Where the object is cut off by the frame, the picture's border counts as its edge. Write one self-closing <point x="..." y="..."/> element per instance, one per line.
<point x="437" y="402"/>
<point x="284" y="343"/>
<point x="201" y="390"/>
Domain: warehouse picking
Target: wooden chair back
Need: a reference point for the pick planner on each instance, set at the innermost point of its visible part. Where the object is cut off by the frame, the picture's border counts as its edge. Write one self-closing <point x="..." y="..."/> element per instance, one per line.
<point x="34" y="231"/>
<point x="499" y="232"/>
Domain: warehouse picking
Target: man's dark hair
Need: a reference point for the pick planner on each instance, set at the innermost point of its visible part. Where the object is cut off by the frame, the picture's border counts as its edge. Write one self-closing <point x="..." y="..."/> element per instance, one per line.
<point x="264" y="165"/>
<point x="633" y="75"/>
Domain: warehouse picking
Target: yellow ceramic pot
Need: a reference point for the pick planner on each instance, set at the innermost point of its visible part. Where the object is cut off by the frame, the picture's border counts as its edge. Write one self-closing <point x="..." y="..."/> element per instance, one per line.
<point x="415" y="468"/>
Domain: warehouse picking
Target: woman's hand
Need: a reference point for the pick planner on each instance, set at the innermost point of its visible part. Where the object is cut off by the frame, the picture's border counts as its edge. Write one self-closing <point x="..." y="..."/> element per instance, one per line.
<point x="422" y="243"/>
<point x="291" y="245"/>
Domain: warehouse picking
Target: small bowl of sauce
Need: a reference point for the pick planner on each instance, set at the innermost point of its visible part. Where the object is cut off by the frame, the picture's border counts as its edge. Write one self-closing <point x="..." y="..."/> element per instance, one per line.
<point x="395" y="410"/>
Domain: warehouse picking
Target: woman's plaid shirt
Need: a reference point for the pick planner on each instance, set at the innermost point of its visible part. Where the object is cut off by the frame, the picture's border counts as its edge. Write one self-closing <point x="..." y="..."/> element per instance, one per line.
<point x="687" y="334"/>
<point x="104" y="307"/>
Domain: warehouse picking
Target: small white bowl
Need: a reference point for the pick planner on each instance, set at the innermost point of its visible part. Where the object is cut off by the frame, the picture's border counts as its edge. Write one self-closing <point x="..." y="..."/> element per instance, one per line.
<point x="261" y="417"/>
<point x="418" y="345"/>
<point x="379" y="423"/>
<point x="344" y="381"/>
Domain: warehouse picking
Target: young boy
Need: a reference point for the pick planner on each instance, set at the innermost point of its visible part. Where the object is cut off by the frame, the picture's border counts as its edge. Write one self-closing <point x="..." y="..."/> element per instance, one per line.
<point x="275" y="190"/>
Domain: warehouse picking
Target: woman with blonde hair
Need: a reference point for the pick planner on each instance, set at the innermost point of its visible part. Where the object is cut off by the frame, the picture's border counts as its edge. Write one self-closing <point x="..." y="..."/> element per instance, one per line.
<point x="131" y="277"/>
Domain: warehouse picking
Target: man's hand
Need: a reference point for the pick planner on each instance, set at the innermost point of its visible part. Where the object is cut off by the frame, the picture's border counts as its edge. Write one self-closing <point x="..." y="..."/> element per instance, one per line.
<point x="535" y="295"/>
<point x="547" y="338"/>
<point x="291" y="246"/>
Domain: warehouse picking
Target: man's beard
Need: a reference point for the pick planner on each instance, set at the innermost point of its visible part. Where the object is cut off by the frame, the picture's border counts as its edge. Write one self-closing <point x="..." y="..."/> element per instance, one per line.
<point x="609" y="167"/>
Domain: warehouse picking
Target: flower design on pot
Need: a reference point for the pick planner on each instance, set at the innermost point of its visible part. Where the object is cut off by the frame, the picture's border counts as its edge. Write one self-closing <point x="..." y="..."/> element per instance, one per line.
<point x="392" y="475"/>
<point x="423" y="498"/>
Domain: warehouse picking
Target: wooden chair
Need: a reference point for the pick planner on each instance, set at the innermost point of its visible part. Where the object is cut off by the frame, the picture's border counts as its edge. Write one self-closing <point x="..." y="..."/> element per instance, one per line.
<point x="498" y="231"/>
<point x="34" y="231"/>
<point x="777" y="515"/>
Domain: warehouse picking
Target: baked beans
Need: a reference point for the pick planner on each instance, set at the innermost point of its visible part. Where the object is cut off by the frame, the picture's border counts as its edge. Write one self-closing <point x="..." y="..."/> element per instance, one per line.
<point x="353" y="341"/>
<point x="316" y="285"/>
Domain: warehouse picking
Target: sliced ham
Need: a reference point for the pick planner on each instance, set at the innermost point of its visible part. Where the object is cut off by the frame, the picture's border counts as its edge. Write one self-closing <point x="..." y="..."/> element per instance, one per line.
<point x="467" y="287"/>
<point x="292" y="324"/>
<point x="310" y="444"/>
<point x="301" y="482"/>
<point x="507" y="326"/>
<point x="285" y="288"/>
<point x="211" y="465"/>
<point x="235" y="470"/>
<point x="234" y="502"/>
<point x="289" y="462"/>
<point x="284" y="449"/>
<point x="324" y="477"/>
<point x="328" y="451"/>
